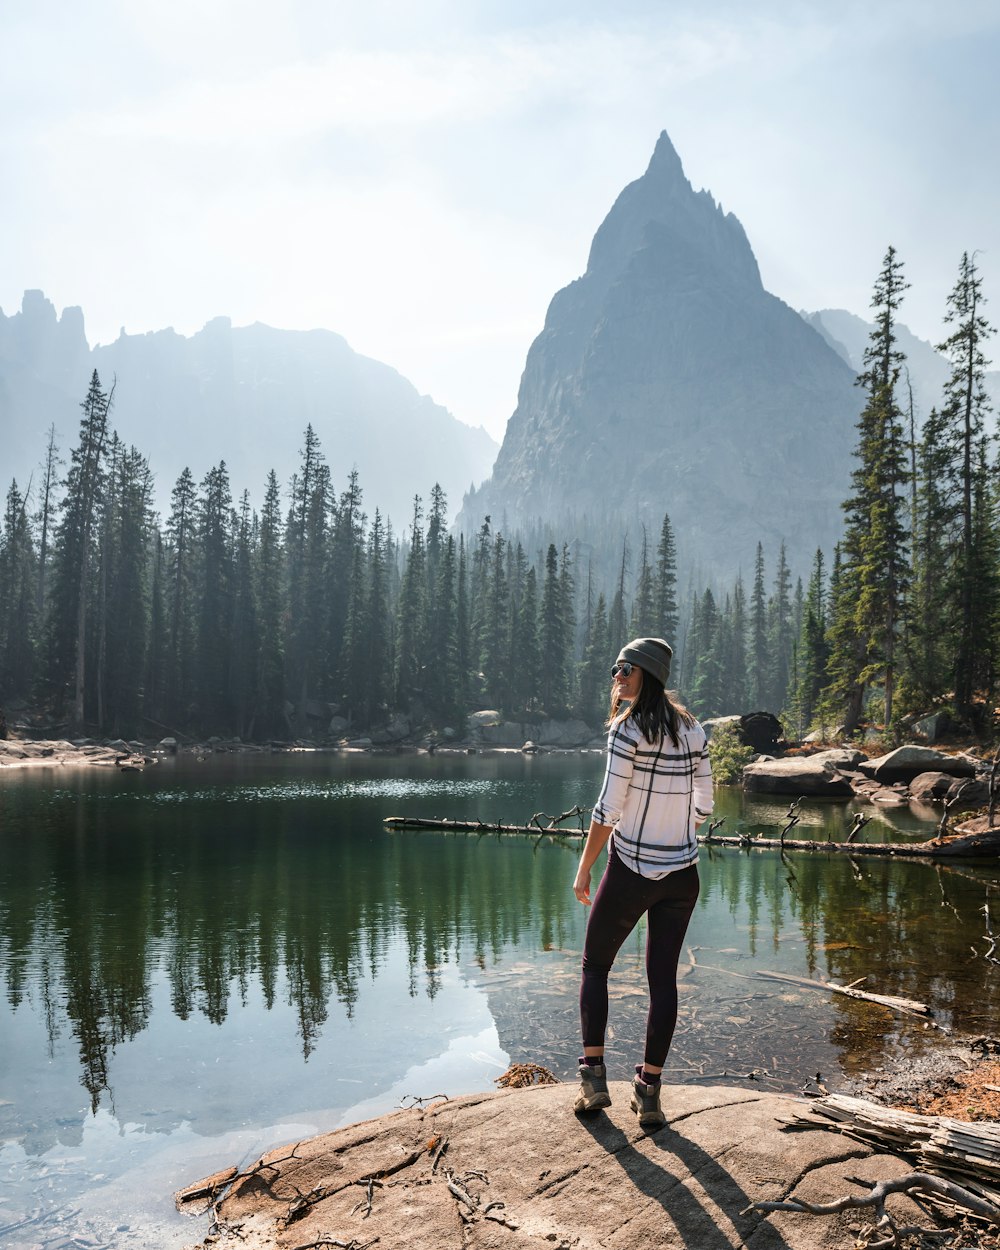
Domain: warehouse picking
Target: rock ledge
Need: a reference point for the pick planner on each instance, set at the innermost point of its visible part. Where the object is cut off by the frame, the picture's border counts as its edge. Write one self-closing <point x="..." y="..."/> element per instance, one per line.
<point x="517" y="1169"/>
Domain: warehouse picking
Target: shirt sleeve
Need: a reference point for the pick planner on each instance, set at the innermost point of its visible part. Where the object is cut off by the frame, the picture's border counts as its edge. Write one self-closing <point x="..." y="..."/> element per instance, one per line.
<point x="617" y="776"/>
<point x="703" y="794"/>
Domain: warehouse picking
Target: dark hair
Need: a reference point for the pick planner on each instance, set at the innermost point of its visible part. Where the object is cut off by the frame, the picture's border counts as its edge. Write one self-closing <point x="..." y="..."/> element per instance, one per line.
<point x="654" y="710"/>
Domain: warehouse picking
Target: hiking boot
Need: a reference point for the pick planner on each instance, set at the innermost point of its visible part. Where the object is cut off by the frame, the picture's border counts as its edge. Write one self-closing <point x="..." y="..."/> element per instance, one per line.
<point x="646" y="1102"/>
<point x="593" y="1088"/>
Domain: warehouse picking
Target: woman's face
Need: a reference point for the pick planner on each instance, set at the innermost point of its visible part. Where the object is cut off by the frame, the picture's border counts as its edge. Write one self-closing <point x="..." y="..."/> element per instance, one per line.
<point x="627" y="686"/>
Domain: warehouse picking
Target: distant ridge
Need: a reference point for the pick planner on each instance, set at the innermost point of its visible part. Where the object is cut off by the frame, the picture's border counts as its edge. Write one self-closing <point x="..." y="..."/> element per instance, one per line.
<point x="666" y="379"/>
<point x="244" y="395"/>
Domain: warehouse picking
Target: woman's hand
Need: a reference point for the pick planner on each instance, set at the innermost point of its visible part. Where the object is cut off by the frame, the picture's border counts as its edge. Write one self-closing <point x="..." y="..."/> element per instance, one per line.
<point x="597" y="837"/>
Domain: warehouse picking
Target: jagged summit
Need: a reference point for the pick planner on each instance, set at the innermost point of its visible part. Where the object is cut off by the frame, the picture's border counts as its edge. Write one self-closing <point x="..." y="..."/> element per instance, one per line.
<point x="739" y="414"/>
<point x="661" y="209"/>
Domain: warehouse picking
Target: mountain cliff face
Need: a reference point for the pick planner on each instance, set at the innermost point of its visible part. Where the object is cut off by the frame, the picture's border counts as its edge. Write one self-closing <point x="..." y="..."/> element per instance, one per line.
<point x="242" y="395"/>
<point x="667" y="379"/>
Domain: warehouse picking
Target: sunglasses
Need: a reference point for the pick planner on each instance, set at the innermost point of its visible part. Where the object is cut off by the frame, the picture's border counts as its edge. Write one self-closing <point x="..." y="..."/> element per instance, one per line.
<point x="625" y="669"/>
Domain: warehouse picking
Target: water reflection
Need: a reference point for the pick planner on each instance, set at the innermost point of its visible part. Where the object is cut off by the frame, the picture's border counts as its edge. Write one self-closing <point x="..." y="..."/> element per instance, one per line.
<point x="207" y="949"/>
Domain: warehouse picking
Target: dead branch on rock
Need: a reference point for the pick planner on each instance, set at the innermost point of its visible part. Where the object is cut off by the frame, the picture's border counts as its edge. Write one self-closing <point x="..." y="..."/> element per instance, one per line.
<point x="408" y="1101"/>
<point x="521" y="1075"/>
<point x="438" y="1155"/>
<point x="304" y="1203"/>
<point x="353" y="1244"/>
<point x="915" y="1184"/>
<point x="908" y="1006"/>
<point x="365" y="1206"/>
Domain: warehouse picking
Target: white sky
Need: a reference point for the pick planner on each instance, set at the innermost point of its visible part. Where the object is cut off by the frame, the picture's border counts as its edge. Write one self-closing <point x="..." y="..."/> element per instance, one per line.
<point x="423" y="177"/>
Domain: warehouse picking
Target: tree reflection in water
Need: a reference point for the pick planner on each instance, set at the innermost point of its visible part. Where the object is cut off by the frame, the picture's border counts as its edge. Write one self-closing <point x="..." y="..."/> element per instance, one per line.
<point x="286" y="884"/>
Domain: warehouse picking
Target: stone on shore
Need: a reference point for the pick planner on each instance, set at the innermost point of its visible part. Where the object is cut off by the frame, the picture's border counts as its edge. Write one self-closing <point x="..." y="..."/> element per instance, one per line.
<point x="908" y="762"/>
<point x="517" y="1169"/>
<point x="806" y="774"/>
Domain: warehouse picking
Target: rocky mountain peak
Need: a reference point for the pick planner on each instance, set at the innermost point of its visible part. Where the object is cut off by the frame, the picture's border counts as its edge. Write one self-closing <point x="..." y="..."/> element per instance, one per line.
<point x="661" y="210"/>
<point x="669" y="343"/>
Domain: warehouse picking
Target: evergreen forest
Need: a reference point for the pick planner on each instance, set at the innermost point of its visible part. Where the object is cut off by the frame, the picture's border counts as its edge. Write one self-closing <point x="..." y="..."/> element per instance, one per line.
<point x="265" y="620"/>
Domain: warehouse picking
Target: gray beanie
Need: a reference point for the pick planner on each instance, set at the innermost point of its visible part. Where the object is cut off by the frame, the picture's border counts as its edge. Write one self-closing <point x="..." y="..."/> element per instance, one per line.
<point x="651" y="654"/>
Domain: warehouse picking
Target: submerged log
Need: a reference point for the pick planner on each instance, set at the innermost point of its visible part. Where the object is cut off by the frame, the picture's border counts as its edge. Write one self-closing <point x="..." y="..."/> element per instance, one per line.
<point x="910" y="1005"/>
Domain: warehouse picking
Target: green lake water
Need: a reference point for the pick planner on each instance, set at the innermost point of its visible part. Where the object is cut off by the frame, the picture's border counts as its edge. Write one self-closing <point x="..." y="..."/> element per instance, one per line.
<point x="214" y="956"/>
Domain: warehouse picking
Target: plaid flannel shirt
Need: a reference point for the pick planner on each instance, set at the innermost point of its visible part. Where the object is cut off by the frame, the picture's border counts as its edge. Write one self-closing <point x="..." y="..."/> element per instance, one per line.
<point x="654" y="797"/>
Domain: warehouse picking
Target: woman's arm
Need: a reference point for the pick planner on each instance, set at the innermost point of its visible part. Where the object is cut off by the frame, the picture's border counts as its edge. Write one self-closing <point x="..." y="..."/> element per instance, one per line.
<point x="597" y="839"/>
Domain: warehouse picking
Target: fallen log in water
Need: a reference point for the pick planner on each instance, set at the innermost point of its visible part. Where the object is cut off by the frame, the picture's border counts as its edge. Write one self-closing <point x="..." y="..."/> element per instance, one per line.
<point x="476" y="826"/>
<point x="973" y="845"/>
<point x="909" y="1005"/>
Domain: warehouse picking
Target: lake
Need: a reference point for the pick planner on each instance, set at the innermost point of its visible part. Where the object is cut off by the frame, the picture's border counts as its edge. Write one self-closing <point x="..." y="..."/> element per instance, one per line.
<point x="216" y="955"/>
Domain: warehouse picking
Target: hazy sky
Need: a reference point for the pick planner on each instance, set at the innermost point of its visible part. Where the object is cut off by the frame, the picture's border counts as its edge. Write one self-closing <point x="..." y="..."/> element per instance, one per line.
<point x="423" y="177"/>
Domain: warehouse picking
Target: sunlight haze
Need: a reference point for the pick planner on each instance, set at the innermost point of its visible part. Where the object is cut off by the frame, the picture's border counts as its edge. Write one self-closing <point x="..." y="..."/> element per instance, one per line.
<point x="423" y="179"/>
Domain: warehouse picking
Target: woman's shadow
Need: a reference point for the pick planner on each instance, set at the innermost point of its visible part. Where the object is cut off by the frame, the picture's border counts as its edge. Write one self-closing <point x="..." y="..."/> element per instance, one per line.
<point x="695" y="1224"/>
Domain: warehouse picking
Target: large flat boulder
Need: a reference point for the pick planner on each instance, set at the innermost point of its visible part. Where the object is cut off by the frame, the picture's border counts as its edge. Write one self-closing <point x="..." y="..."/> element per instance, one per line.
<point x="518" y="1170"/>
<point x="806" y="775"/>
<point x="908" y="762"/>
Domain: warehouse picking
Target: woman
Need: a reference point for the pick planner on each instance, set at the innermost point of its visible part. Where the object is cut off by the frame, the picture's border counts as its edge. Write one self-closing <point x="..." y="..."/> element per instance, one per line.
<point x="657" y="790"/>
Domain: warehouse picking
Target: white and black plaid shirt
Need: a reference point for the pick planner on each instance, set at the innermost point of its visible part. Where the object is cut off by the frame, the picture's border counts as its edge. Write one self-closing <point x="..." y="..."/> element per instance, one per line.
<point x="655" y="797"/>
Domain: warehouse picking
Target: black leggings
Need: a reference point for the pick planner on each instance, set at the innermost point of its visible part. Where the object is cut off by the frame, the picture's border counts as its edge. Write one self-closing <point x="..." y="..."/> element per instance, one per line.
<point x="621" y="899"/>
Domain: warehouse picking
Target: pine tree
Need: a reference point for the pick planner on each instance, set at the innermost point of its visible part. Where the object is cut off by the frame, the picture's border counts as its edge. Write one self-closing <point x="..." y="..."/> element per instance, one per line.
<point x="780" y="635"/>
<point x="875" y="573"/>
<point x="124" y="617"/>
<point x="180" y="597"/>
<point x="18" y="600"/>
<point x="592" y="700"/>
<point x="963" y="414"/>
<point x="245" y="625"/>
<point x="214" y="599"/>
<point x="411" y="622"/>
<point x="665" y="610"/>
<point x="706" y="690"/>
<point x="269" y="698"/>
<point x="73" y="588"/>
<point x="759" y="660"/>
<point x="46" y="512"/>
<point x="644" y="622"/>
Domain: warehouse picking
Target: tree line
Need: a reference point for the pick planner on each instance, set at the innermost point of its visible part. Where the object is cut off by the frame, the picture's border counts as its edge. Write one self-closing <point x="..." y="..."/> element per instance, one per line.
<point x="259" y="624"/>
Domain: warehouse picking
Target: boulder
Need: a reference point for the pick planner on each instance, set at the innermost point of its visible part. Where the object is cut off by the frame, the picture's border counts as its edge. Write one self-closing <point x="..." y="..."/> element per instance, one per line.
<point x="503" y="734"/>
<point x="563" y="733"/>
<point x="968" y="792"/>
<point x="761" y="730"/>
<point x="476" y="720"/>
<point x="396" y="730"/>
<point x="801" y="775"/>
<point x="718" y="722"/>
<point x="908" y="762"/>
<point x="840" y="757"/>
<point x="337" y="726"/>
<point x="928" y="787"/>
<point x="932" y="728"/>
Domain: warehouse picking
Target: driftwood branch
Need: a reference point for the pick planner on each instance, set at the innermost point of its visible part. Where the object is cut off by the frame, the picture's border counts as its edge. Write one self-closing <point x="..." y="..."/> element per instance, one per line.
<point x="885" y="1227"/>
<point x="908" y="1005"/>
